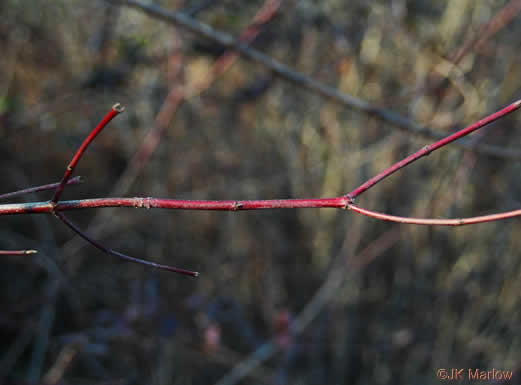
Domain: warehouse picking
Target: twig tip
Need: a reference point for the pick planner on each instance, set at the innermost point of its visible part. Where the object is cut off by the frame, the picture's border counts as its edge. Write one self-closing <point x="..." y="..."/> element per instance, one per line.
<point x="118" y="108"/>
<point x="31" y="251"/>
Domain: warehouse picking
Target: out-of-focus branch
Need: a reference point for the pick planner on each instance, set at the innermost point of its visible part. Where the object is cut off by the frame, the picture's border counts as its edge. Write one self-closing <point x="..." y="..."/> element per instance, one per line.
<point x="477" y="39"/>
<point x="302" y="80"/>
<point x="505" y="16"/>
<point x="331" y="285"/>
<point x="177" y="94"/>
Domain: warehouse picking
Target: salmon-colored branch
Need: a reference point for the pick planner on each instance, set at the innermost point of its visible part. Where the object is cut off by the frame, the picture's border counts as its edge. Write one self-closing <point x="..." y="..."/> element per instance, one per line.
<point x="435" y="222"/>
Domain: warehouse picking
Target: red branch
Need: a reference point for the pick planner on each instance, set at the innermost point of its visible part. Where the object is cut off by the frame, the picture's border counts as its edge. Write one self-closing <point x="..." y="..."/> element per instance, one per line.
<point x="433" y="147"/>
<point x="346" y="202"/>
<point x="172" y="204"/>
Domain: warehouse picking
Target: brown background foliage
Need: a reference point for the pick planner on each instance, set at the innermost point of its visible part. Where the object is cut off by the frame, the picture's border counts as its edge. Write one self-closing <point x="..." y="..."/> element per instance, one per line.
<point x="432" y="298"/>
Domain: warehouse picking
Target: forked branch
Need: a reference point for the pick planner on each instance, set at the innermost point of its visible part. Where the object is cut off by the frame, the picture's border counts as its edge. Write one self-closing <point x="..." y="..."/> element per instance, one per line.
<point x="116" y="110"/>
<point x="344" y="202"/>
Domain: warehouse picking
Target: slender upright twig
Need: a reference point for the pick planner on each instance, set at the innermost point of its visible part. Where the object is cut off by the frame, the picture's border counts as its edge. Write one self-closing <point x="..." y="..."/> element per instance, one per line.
<point x="116" y="110"/>
<point x="433" y="147"/>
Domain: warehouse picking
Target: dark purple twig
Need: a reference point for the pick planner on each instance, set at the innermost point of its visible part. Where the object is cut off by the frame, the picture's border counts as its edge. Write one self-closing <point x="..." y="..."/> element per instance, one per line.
<point x="106" y="250"/>
<point x="75" y="180"/>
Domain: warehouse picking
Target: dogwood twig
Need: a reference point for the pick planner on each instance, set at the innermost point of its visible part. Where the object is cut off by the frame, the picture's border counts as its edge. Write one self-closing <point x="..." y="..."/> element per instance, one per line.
<point x="176" y="95"/>
<point x="344" y="202"/>
<point x="433" y="147"/>
<point x="106" y="250"/>
<point x="116" y="110"/>
<point x="435" y="222"/>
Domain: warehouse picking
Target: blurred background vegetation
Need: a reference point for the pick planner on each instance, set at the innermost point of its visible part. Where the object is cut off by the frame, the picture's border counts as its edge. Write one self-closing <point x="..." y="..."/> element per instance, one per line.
<point x="374" y="302"/>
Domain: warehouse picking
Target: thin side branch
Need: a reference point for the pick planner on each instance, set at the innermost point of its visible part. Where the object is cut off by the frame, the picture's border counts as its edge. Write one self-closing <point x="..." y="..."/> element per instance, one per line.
<point x="106" y="250"/>
<point x="51" y="186"/>
<point x="433" y="147"/>
<point x="283" y="71"/>
<point x="116" y="110"/>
